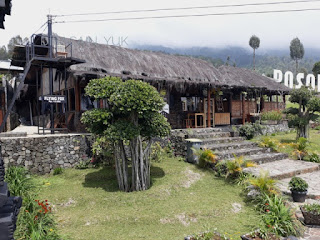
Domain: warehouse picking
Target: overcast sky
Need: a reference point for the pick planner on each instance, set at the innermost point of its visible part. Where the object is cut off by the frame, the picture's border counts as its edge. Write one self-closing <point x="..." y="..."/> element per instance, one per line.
<point x="274" y="29"/>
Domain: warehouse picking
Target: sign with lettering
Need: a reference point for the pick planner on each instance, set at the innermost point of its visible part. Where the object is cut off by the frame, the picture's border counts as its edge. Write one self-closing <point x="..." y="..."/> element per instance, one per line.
<point x="54" y="98"/>
<point x="287" y="77"/>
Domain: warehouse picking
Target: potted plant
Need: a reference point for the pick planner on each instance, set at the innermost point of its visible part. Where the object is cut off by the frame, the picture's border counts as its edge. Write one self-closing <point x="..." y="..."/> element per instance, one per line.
<point x="298" y="188"/>
<point x="311" y="213"/>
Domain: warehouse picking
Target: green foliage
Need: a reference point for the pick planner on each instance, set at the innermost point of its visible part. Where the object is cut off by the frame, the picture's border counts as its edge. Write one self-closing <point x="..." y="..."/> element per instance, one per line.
<point x="312" y="208"/>
<point x="250" y="130"/>
<point x="296" y="49"/>
<point x="235" y="167"/>
<point x="316" y="68"/>
<point x="128" y="102"/>
<point x="277" y="218"/>
<point x="18" y="180"/>
<point x="206" y="157"/>
<point x="298" y="184"/>
<point x="35" y="220"/>
<point x="254" y="42"/>
<point x="269" y="142"/>
<point x="272" y="115"/>
<point x="265" y="184"/>
<point x="157" y="152"/>
<point x="83" y="164"/>
<point x="300" y="148"/>
<point x="301" y="116"/>
<point x="57" y="171"/>
<point x="312" y="157"/>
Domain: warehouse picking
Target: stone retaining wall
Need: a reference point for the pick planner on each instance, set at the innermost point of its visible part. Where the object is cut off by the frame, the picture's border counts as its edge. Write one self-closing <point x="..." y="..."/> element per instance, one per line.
<point x="42" y="154"/>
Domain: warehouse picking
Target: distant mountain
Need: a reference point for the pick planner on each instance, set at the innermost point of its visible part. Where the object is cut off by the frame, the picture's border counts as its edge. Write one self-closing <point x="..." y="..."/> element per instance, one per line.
<point x="266" y="59"/>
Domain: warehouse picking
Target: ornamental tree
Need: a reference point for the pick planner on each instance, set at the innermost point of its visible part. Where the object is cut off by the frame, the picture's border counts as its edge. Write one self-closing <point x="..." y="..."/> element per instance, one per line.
<point x="254" y="42"/>
<point x="129" y="121"/>
<point x="296" y="51"/>
<point x="300" y="117"/>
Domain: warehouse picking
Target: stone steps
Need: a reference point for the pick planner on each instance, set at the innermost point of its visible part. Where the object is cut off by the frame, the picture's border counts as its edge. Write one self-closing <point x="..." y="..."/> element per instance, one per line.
<point x="218" y="134"/>
<point x="313" y="180"/>
<point x="265" y="157"/>
<point x="285" y="168"/>
<point x="230" y="146"/>
<point x="209" y="141"/>
<point x="229" y="154"/>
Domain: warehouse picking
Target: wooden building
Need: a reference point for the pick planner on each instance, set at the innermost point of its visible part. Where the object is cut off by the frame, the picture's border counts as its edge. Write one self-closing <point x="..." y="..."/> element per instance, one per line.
<point x="197" y="94"/>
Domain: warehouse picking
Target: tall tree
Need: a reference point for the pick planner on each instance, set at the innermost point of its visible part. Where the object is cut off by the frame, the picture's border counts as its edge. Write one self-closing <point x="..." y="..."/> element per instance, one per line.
<point x="254" y="42"/>
<point x="296" y="51"/>
<point x="300" y="117"/>
<point x="3" y="53"/>
<point x="17" y="40"/>
<point x="129" y="121"/>
<point x="316" y="69"/>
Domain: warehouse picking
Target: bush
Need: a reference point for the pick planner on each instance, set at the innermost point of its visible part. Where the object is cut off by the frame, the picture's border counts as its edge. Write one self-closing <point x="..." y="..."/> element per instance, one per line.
<point x="312" y="157"/>
<point x="298" y="184"/>
<point x="312" y="208"/>
<point x="264" y="184"/>
<point x="206" y="157"/>
<point x="300" y="148"/>
<point x="35" y="220"/>
<point x="250" y="130"/>
<point x="278" y="219"/>
<point x="235" y="167"/>
<point x="270" y="143"/>
<point x="83" y="165"/>
<point x="271" y="115"/>
<point x="57" y="171"/>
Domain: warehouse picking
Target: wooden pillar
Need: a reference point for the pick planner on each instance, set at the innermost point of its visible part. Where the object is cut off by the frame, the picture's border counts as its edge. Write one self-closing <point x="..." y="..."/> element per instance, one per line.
<point x="243" y="108"/>
<point x="284" y="101"/>
<point x="77" y="93"/>
<point x="277" y="102"/>
<point x="209" y="108"/>
<point x="230" y="106"/>
<point x="261" y="103"/>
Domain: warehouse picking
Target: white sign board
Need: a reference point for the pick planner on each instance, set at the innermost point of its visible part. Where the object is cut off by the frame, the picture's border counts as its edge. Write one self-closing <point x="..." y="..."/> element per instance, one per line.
<point x="54" y="98"/>
<point x="166" y="108"/>
<point x="288" y="77"/>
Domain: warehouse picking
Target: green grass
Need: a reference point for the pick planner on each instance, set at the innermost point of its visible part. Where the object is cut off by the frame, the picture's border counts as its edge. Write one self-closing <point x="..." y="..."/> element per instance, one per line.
<point x="89" y="206"/>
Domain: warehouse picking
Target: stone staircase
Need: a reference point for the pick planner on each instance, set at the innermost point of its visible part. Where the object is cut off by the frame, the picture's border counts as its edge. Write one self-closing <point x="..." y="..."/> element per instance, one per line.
<point x="278" y="165"/>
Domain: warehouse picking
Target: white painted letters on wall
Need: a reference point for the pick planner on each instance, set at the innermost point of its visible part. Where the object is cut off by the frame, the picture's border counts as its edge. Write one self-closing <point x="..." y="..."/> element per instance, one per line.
<point x="288" y="79"/>
<point x="300" y="76"/>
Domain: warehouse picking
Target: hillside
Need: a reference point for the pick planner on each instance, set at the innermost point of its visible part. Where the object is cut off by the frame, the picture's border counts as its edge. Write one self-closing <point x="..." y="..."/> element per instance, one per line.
<point x="266" y="59"/>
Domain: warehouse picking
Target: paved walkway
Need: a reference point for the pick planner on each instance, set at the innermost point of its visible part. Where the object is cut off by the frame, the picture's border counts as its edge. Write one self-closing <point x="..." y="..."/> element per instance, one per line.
<point x="313" y="180"/>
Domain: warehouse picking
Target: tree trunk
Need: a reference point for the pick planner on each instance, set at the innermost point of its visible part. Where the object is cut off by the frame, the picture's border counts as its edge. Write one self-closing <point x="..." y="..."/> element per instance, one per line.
<point x="121" y="163"/>
<point x="254" y="59"/>
<point x="303" y="131"/>
<point x="296" y="67"/>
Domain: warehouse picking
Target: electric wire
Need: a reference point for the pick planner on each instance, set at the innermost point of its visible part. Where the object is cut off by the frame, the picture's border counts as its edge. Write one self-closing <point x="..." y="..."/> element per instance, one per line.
<point x="189" y="15"/>
<point x="187" y="8"/>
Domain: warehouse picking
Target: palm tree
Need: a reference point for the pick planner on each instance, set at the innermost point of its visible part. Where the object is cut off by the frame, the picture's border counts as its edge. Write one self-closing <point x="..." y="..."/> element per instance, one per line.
<point x="254" y="42"/>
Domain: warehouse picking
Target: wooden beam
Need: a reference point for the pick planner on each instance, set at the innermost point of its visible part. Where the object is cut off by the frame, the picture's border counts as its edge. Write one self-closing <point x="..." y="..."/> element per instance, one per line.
<point x="77" y="93"/>
<point x="209" y="108"/>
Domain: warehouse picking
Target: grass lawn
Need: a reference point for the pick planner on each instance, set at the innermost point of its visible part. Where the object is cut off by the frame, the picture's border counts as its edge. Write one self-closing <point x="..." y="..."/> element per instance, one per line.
<point x="314" y="140"/>
<point x="183" y="200"/>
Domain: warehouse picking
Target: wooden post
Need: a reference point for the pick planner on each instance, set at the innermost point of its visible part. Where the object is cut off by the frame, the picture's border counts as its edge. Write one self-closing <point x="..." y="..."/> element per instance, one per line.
<point x="209" y="108"/>
<point x="230" y="106"/>
<point x="284" y="101"/>
<point x="243" y="108"/>
<point x="77" y="93"/>
<point x="277" y="102"/>
<point x="261" y="103"/>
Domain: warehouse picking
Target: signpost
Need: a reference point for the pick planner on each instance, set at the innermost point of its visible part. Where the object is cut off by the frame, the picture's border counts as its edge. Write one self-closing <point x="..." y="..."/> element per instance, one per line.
<point x="54" y="98"/>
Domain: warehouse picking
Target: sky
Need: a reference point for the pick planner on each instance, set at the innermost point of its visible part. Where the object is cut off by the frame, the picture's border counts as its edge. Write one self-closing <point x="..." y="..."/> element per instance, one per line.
<point x="275" y="30"/>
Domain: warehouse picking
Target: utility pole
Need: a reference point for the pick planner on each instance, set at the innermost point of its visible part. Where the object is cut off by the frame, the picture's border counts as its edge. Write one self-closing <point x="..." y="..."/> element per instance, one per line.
<point x="50" y="72"/>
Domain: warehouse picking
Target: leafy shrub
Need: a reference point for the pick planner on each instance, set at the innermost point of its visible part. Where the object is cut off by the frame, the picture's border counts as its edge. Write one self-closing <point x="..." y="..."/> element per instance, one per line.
<point x="57" y="171"/>
<point x="235" y="167"/>
<point x="250" y="130"/>
<point x="312" y="157"/>
<point x="83" y="165"/>
<point x="272" y="115"/>
<point x="156" y="152"/>
<point x="18" y="180"/>
<point x="264" y="184"/>
<point x="270" y="143"/>
<point x="35" y="220"/>
<point x="206" y="157"/>
<point x="298" y="184"/>
<point x="277" y="218"/>
<point x="300" y="148"/>
<point x="312" y="208"/>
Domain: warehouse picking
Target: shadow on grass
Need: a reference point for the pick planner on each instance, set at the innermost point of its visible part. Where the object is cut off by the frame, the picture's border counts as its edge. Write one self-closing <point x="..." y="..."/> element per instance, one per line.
<point x="106" y="178"/>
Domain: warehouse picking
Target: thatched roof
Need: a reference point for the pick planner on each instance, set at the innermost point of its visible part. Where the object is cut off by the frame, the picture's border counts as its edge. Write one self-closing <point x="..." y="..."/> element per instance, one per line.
<point x="157" y="67"/>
